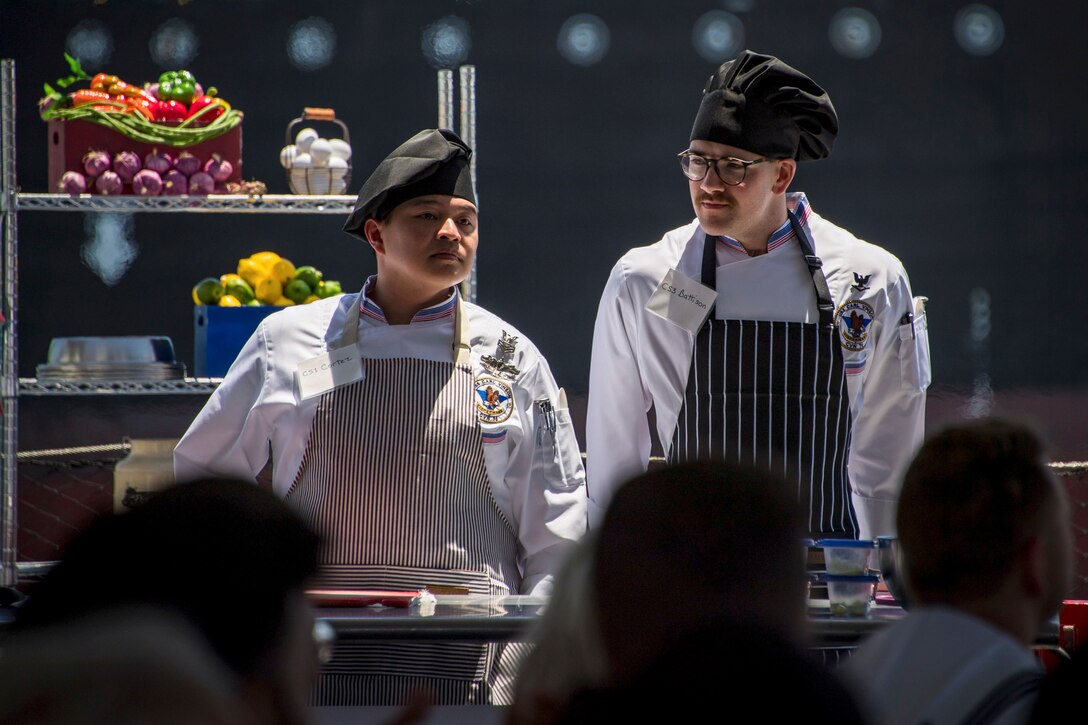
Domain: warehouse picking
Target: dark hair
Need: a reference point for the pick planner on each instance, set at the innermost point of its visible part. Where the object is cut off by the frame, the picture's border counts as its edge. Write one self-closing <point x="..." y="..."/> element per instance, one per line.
<point x="971" y="498"/>
<point x="695" y="544"/>
<point x="225" y="554"/>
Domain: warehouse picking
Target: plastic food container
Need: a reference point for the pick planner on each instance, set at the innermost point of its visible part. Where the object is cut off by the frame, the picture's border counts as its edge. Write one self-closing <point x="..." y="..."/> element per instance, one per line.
<point x="847" y="556"/>
<point x="850" y="595"/>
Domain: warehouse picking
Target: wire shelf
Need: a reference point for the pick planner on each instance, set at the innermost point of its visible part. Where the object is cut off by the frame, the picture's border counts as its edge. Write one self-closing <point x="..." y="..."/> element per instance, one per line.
<point x="212" y="204"/>
<point x="193" y="386"/>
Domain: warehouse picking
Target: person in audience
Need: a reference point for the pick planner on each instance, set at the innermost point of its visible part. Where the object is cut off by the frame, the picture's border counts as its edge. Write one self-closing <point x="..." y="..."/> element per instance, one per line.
<point x="985" y="537"/>
<point x="689" y="592"/>
<point x="229" y="558"/>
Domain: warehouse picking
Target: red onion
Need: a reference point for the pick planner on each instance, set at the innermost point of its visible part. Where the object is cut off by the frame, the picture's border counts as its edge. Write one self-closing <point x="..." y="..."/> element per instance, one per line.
<point x="72" y="182"/>
<point x="218" y="168"/>
<point x="157" y="162"/>
<point x="126" y="164"/>
<point x="174" y="183"/>
<point x="153" y="89"/>
<point x="187" y="164"/>
<point x="95" y="162"/>
<point x="108" y="183"/>
<point x="201" y="183"/>
<point x="147" y="183"/>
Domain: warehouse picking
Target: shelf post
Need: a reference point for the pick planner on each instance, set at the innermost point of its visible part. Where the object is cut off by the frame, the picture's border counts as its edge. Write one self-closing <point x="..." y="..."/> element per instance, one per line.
<point x="8" y="340"/>
<point x="468" y="134"/>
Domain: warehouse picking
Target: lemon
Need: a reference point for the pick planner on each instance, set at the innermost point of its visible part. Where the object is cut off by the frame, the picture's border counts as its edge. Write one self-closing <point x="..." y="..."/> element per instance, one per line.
<point x="265" y="259"/>
<point x="251" y="271"/>
<point x="269" y="290"/>
<point x="229" y="301"/>
<point x="225" y="279"/>
<point x="283" y="271"/>
<point x="297" y="290"/>
<point x="283" y="302"/>
<point x="207" y="291"/>
<point x="311" y="298"/>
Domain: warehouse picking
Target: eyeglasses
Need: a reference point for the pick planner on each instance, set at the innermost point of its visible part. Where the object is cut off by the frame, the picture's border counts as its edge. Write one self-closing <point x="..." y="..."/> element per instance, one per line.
<point x="730" y="170"/>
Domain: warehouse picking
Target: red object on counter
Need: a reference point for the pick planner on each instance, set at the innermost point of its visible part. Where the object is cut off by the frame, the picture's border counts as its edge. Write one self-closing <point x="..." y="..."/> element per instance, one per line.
<point x="70" y="140"/>
<point x="360" y="597"/>
<point x="1073" y="624"/>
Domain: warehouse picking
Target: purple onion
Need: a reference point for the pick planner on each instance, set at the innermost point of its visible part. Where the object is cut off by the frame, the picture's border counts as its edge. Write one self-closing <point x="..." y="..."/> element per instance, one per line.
<point x="187" y="164"/>
<point x="157" y="162"/>
<point x="174" y="183"/>
<point x="201" y="183"/>
<point x="220" y="188"/>
<point x="108" y="183"/>
<point x="153" y="89"/>
<point x="218" y="168"/>
<point x="126" y="164"/>
<point x="147" y="183"/>
<point x="198" y="90"/>
<point x="73" y="182"/>
<point x="95" y="162"/>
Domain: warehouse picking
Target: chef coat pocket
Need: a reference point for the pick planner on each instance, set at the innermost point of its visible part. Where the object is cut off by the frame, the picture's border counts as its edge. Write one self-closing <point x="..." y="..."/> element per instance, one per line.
<point x="914" y="349"/>
<point x="556" y="457"/>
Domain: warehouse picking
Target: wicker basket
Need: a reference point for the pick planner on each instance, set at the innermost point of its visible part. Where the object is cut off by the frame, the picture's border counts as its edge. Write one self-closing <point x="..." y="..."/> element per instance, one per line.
<point x="318" y="180"/>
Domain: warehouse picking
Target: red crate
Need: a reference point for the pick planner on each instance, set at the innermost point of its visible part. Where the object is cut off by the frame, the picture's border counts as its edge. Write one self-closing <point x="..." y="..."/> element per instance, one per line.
<point x="69" y="141"/>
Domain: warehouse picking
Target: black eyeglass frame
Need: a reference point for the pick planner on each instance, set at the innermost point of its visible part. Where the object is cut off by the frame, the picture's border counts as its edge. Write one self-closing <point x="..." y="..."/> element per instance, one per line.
<point x="713" y="163"/>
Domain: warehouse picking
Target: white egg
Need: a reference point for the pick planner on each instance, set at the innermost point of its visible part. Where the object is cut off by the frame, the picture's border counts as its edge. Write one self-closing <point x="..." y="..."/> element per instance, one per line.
<point x="335" y="162"/>
<point x="287" y="155"/>
<point x="340" y="148"/>
<point x="304" y="138"/>
<point x="302" y="161"/>
<point x="320" y="151"/>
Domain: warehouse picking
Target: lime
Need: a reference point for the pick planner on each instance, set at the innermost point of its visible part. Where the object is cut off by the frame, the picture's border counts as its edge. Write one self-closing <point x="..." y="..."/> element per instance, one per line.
<point x="297" y="290"/>
<point x="207" y="291"/>
<point x="328" y="288"/>
<point x="254" y="303"/>
<point x="309" y="275"/>
<point x="239" y="288"/>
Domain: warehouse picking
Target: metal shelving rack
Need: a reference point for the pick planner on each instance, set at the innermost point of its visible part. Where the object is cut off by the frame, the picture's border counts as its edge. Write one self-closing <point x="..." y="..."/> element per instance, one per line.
<point x="12" y="201"/>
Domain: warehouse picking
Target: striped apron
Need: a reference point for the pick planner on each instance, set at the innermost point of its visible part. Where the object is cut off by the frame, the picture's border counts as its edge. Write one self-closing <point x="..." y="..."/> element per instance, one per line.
<point x="393" y="477"/>
<point x="774" y="394"/>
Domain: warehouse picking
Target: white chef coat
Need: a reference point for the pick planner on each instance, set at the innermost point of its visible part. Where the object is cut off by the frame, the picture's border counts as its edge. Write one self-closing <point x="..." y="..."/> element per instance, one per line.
<point x="936" y="666"/>
<point x="539" y="488"/>
<point x="640" y="359"/>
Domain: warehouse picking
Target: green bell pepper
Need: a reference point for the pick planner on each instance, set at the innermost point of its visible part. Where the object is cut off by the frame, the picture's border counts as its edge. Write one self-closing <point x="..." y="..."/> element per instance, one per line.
<point x="177" y="85"/>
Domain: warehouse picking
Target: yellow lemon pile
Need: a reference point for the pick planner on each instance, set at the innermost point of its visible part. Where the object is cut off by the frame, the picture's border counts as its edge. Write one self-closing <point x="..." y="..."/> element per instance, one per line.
<point x="265" y="278"/>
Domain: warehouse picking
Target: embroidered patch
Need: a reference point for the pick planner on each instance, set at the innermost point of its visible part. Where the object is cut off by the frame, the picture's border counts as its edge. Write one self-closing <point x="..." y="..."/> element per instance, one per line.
<point x="854" y="318"/>
<point x="494" y="400"/>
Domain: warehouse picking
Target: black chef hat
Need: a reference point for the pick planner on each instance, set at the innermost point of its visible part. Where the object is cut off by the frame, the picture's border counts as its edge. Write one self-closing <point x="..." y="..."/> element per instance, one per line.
<point x="431" y="162"/>
<point x="758" y="103"/>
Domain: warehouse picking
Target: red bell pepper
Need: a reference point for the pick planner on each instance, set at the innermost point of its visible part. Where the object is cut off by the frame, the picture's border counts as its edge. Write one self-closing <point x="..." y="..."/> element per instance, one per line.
<point x="170" y="111"/>
<point x="201" y="102"/>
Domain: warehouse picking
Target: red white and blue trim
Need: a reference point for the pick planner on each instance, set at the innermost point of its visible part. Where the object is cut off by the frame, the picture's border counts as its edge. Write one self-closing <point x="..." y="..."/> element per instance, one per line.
<point x="798" y="204"/>
<point x="368" y="308"/>
<point x="491" y="438"/>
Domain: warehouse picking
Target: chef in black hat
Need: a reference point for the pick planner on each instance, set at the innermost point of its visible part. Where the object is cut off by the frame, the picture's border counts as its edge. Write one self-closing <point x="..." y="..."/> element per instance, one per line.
<point x="422" y="435"/>
<point x="761" y="332"/>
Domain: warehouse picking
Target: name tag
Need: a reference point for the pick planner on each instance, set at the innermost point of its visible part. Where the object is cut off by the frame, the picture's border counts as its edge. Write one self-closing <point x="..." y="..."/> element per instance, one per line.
<point x="332" y="370"/>
<point x="682" y="301"/>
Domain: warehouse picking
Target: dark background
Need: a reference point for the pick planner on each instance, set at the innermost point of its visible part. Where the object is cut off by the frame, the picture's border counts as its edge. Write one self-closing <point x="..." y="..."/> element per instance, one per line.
<point x="969" y="169"/>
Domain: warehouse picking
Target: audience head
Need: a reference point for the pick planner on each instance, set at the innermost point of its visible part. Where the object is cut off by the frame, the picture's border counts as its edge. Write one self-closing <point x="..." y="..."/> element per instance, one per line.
<point x="228" y="556"/>
<point x="981" y="515"/>
<point x="694" y="545"/>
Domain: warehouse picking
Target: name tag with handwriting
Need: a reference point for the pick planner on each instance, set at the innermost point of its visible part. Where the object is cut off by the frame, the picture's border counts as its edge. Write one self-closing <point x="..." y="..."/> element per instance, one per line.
<point x="682" y="301"/>
<point x="332" y="370"/>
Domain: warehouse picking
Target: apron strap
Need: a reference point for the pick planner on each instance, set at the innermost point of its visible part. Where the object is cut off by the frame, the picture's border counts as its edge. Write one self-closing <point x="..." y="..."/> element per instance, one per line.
<point x="815" y="265"/>
<point x="460" y="350"/>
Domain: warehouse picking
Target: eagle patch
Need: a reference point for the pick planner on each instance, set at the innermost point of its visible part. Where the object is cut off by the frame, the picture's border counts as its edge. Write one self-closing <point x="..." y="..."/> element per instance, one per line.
<point x="494" y="399"/>
<point x="853" y="319"/>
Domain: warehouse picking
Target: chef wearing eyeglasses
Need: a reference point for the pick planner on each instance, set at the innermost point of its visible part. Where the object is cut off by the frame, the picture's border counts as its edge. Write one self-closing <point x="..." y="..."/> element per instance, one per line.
<point x="761" y="332"/>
